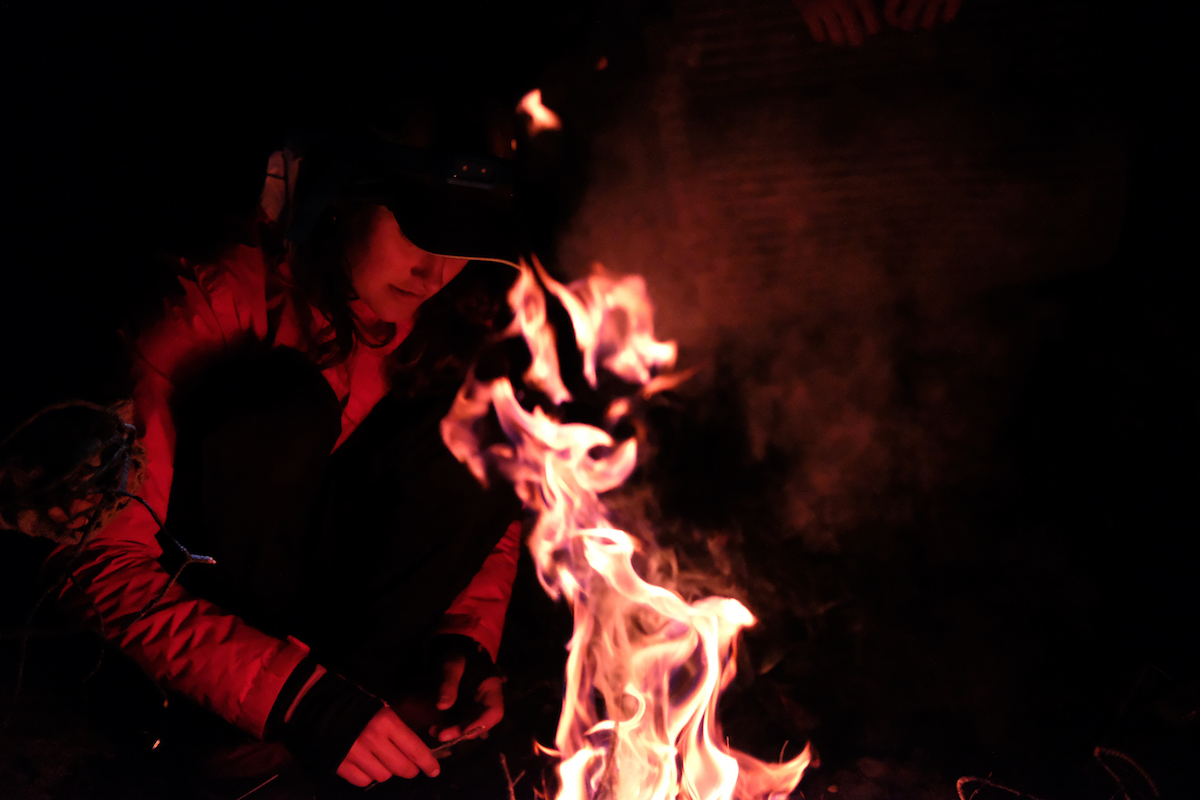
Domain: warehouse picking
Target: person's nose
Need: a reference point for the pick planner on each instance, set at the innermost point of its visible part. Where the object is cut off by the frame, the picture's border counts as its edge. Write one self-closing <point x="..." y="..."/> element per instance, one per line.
<point x="428" y="270"/>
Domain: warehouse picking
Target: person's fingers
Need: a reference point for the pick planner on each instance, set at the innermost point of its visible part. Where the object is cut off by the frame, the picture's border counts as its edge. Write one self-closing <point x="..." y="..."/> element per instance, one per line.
<point x="491" y="695"/>
<point x="908" y="17"/>
<point x="446" y="734"/>
<point x="386" y="747"/>
<point x="491" y="690"/>
<point x="952" y="7"/>
<point x="866" y="9"/>
<point x="816" y="25"/>
<point x="834" y="26"/>
<point x="930" y="17"/>
<point x="452" y="672"/>
<point x="347" y="771"/>
<point x="368" y="763"/>
<point x="395" y="761"/>
<point x="891" y="12"/>
<point x="489" y="719"/>
<point x="848" y="16"/>
<point x="411" y="746"/>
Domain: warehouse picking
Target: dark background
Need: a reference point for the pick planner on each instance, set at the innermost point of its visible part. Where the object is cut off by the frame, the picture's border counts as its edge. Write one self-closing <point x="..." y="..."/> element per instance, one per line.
<point x="938" y="290"/>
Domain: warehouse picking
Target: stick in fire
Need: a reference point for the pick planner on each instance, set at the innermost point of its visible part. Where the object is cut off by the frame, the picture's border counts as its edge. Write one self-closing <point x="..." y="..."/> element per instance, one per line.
<point x="657" y="662"/>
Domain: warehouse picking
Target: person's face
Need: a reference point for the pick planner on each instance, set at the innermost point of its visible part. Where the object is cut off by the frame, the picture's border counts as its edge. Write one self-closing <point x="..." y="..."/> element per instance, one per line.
<point x="392" y="275"/>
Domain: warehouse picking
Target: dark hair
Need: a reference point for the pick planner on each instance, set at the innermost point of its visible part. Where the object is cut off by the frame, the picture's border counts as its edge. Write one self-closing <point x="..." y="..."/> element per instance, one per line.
<point x="320" y="278"/>
<point x="66" y="452"/>
<point x="449" y="331"/>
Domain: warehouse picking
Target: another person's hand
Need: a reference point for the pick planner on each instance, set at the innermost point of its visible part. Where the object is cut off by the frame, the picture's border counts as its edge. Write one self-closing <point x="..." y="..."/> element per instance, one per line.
<point x="489" y="694"/>
<point x="904" y="13"/>
<point x="387" y="747"/>
<point x="839" y="21"/>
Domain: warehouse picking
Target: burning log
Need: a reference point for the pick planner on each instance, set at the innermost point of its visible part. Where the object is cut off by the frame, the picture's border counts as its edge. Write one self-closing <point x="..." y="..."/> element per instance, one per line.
<point x="645" y="667"/>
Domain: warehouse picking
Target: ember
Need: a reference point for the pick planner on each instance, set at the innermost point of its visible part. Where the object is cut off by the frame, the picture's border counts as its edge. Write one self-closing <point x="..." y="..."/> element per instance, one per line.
<point x="639" y="718"/>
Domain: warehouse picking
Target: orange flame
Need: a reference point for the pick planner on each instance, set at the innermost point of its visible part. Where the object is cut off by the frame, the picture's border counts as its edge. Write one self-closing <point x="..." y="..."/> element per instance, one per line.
<point x="540" y="117"/>
<point x="656" y="662"/>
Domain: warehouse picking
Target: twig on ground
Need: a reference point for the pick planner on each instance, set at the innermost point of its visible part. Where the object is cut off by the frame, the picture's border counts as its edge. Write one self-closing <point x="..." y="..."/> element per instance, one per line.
<point x="544" y="794"/>
<point x="1108" y="751"/>
<point x="966" y="781"/>
<point x="512" y="783"/>
<point x="261" y="785"/>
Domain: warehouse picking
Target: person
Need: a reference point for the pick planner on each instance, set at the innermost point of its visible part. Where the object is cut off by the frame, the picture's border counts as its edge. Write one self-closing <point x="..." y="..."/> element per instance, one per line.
<point x="286" y="408"/>
<point x="850" y="21"/>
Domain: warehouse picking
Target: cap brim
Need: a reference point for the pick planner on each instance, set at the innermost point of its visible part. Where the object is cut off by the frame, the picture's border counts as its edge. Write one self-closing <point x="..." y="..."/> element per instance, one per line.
<point x="462" y="221"/>
<point x="461" y="206"/>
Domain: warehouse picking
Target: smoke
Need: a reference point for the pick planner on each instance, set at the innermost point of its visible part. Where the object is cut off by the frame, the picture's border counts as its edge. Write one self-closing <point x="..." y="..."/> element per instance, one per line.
<point x="862" y="253"/>
<point x="829" y="262"/>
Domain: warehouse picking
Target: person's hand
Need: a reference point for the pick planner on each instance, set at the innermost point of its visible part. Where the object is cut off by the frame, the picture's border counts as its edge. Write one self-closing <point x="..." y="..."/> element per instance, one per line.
<point x="839" y="21"/>
<point x="489" y="694"/>
<point x="904" y="13"/>
<point x="386" y="747"/>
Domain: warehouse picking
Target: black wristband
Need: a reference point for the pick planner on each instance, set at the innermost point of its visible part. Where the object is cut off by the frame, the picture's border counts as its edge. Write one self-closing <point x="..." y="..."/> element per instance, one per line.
<point x="327" y="720"/>
<point x="291" y="687"/>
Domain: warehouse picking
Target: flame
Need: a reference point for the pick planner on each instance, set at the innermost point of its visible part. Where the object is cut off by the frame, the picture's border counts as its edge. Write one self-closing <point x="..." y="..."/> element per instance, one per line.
<point x="645" y="668"/>
<point x="540" y="117"/>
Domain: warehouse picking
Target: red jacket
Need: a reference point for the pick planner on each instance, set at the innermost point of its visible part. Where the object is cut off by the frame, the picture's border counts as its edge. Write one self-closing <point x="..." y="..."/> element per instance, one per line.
<point x="185" y="643"/>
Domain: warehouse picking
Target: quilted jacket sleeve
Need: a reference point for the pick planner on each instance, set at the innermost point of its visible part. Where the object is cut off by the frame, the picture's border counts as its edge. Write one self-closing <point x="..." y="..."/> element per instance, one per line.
<point x="478" y="612"/>
<point x="184" y="643"/>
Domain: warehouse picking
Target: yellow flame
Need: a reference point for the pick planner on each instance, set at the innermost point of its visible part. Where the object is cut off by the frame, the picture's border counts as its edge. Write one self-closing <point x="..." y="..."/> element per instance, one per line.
<point x="657" y="662"/>
<point x="540" y="117"/>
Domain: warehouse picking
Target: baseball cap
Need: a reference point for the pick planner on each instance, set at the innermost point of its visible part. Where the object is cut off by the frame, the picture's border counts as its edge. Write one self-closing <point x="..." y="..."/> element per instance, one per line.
<point x="446" y="202"/>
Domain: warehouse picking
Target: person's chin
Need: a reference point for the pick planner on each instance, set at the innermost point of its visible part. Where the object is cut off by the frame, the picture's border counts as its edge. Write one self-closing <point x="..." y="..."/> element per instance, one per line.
<point x="400" y="310"/>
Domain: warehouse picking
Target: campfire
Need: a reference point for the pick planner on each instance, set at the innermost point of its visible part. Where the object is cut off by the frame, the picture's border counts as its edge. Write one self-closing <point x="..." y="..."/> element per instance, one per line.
<point x="645" y="667"/>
